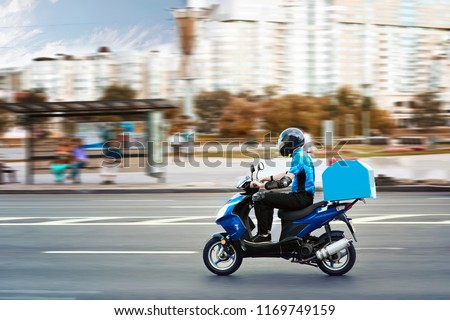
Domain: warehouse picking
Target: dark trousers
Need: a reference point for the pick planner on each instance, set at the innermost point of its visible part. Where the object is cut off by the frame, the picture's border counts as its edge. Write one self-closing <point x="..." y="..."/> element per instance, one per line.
<point x="76" y="166"/>
<point x="286" y="201"/>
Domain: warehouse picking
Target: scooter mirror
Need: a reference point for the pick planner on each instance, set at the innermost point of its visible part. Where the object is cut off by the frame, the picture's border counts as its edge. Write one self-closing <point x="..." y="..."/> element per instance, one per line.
<point x="260" y="166"/>
<point x="252" y="168"/>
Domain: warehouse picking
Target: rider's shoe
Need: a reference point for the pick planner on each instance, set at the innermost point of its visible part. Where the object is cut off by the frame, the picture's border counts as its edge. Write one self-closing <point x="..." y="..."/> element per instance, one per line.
<point x="260" y="238"/>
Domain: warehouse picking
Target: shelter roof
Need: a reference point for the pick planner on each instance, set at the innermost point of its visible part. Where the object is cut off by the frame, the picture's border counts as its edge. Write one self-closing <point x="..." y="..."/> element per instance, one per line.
<point x="102" y="107"/>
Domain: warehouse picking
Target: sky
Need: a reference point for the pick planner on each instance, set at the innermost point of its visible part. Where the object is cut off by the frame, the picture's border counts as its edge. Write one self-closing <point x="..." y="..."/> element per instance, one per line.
<point x="36" y="28"/>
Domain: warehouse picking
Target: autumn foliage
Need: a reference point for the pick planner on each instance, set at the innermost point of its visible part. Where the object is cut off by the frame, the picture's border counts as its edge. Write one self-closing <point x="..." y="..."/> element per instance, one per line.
<point x="240" y="115"/>
<point x="239" y="118"/>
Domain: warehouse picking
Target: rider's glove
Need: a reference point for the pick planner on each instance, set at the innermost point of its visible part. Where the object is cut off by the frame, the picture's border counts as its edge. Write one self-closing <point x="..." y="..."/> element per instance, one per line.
<point x="279" y="184"/>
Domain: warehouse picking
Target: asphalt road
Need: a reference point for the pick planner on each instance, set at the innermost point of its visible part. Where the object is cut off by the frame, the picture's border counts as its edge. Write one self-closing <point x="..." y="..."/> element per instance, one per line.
<point x="149" y="247"/>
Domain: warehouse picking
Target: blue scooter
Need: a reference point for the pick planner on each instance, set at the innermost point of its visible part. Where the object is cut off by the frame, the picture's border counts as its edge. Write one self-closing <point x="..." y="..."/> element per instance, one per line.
<point x="332" y="252"/>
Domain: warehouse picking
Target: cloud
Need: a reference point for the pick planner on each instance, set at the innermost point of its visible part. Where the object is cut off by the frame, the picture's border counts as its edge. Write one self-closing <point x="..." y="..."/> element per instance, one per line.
<point x="14" y="7"/>
<point x="133" y="38"/>
<point x="16" y="37"/>
<point x="20" y="42"/>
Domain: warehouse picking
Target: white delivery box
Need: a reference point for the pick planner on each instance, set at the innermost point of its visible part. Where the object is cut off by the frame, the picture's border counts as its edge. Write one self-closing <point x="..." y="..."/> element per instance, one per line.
<point x="346" y="180"/>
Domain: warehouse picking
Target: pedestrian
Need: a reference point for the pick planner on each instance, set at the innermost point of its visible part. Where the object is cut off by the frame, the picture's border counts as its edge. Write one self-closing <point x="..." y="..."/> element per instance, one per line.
<point x="300" y="174"/>
<point x="111" y="162"/>
<point x="62" y="161"/>
<point x="79" y="160"/>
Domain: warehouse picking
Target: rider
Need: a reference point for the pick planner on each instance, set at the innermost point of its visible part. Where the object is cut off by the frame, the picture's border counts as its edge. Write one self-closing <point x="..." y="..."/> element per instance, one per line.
<point x="300" y="174"/>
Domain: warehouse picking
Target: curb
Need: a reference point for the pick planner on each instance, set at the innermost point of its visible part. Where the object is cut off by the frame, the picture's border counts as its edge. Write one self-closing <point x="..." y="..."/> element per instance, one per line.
<point x="406" y="188"/>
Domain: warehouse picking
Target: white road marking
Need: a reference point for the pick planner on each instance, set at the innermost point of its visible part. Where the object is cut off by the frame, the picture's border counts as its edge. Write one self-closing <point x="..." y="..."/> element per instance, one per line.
<point x="106" y="206"/>
<point x="383" y="217"/>
<point x="411" y="203"/>
<point x="101" y="217"/>
<point x="47" y="292"/>
<point x="132" y="200"/>
<point x="111" y="224"/>
<point x="16" y="218"/>
<point x="119" y="252"/>
<point x="162" y="220"/>
<point x="68" y="221"/>
<point x="380" y="248"/>
<point x="193" y="207"/>
<point x="88" y="200"/>
<point x="169" y="220"/>
<point x="163" y="252"/>
<point x="408" y="222"/>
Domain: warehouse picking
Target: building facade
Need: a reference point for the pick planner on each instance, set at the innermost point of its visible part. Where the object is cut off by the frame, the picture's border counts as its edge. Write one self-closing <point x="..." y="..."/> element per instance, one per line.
<point x="84" y="78"/>
<point x="11" y="80"/>
<point x="390" y="50"/>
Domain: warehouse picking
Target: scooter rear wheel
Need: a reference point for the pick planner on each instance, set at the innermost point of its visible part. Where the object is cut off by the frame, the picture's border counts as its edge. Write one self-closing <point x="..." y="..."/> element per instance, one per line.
<point x="339" y="263"/>
<point x="221" y="259"/>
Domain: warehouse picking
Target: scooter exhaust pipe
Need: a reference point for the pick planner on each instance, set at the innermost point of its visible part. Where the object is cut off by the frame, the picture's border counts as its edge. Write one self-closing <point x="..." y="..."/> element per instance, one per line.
<point x="333" y="248"/>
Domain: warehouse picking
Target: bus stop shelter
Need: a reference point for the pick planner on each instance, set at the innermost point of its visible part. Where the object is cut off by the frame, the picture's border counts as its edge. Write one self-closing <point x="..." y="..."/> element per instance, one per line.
<point x="150" y="111"/>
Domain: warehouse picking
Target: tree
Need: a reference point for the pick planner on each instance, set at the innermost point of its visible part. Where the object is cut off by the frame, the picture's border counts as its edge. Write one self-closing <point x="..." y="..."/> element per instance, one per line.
<point x="348" y="98"/>
<point x="427" y="110"/>
<point x="118" y="92"/>
<point x="307" y="112"/>
<point x="34" y="95"/>
<point x="349" y="104"/>
<point x="178" y="121"/>
<point x="293" y="111"/>
<point x="382" y="121"/>
<point x="271" y="91"/>
<point x="209" y="107"/>
<point x="238" y="119"/>
<point x="6" y="120"/>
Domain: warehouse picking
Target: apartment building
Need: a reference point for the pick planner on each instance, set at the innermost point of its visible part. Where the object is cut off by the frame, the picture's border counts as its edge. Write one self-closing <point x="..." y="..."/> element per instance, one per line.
<point x="10" y="82"/>
<point x="67" y="78"/>
<point x="389" y="50"/>
<point x="396" y="49"/>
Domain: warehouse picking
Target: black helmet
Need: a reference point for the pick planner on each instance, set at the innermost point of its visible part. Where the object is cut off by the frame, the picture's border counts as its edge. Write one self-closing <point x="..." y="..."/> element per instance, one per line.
<point x="289" y="140"/>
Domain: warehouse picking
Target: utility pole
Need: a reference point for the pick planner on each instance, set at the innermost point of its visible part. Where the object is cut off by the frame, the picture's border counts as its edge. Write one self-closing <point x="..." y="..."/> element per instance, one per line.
<point x="186" y="22"/>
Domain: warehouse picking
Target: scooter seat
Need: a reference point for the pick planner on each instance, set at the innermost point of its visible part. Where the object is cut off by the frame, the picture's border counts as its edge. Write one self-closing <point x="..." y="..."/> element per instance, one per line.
<point x="297" y="214"/>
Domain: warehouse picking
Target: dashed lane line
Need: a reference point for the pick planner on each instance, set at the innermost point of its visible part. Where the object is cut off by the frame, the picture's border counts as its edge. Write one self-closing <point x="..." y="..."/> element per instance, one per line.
<point x="118" y="252"/>
<point x="124" y="252"/>
<point x="200" y="220"/>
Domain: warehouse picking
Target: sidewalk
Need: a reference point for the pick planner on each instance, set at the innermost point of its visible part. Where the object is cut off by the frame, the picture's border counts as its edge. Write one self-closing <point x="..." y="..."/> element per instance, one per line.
<point x="221" y="175"/>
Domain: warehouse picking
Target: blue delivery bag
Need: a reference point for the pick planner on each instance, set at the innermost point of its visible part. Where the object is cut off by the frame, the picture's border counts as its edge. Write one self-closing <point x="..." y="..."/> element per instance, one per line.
<point x="346" y="180"/>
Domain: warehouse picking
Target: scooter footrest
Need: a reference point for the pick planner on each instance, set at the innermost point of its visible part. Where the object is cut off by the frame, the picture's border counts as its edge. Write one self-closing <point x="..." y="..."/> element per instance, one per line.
<point x="289" y="239"/>
<point x="271" y="249"/>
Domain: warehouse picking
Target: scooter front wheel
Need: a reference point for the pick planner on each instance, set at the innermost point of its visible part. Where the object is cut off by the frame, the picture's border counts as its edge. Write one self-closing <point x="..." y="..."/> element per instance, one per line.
<point x="221" y="259"/>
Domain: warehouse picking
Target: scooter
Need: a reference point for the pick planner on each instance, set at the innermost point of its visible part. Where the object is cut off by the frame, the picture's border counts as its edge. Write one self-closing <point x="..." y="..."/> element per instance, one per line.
<point x="332" y="252"/>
